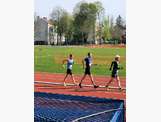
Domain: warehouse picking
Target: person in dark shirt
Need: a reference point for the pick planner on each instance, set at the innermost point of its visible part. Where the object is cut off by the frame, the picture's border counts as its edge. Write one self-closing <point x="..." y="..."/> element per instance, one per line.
<point x="88" y="63"/>
<point x="115" y="68"/>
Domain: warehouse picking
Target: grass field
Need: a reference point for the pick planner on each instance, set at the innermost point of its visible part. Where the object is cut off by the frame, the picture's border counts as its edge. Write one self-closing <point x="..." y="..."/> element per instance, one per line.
<point x="49" y="59"/>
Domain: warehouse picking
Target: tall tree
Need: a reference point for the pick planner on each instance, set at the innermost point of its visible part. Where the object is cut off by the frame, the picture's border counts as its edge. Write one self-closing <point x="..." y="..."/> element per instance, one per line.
<point x="92" y="18"/>
<point x="81" y="26"/>
<point x="59" y="16"/>
<point x="111" y="27"/>
<point x="84" y="21"/>
<point x="68" y="27"/>
<point x="100" y="16"/>
<point x="106" y="29"/>
<point x="119" y="27"/>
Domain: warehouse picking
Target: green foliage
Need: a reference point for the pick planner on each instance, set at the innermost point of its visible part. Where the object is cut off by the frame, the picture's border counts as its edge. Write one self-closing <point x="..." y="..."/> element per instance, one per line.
<point x="119" y="27"/>
<point x="63" y="22"/>
<point x="85" y="19"/>
<point x="106" y="29"/>
<point x="88" y="22"/>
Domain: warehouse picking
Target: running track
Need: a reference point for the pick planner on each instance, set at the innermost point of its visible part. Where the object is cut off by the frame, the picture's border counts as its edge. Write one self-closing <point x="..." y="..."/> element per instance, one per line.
<point x="75" y="90"/>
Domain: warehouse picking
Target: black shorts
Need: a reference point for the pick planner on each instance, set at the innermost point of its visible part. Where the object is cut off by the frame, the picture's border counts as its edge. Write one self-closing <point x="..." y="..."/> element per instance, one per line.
<point x="114" y="74"/>
<point x="69" y="71"/>
<point x="87" y="71"/>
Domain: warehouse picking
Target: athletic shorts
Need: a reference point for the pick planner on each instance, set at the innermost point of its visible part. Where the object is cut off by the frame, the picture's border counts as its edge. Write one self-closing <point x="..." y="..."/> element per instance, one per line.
<point x="87" y="71"/>
<point x="69" y="71"/>
<point x="114" y="74"/>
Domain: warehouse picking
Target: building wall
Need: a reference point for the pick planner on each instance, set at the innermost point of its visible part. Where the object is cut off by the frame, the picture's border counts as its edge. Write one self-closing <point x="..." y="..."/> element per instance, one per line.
<point x="41" y="29"/>
<point x="44" y="32"/>
<point x="52" y="35"/>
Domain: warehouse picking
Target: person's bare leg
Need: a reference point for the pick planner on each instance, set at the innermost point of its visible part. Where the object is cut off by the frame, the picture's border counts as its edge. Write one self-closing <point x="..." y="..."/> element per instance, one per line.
<point x="72" y="76"/>
<point x="111" y="80"/>
<point x="118" y="81"/>
<point x="65" y="79"/>
<point x="82" y="80"/>
<point x="91" y="77"/>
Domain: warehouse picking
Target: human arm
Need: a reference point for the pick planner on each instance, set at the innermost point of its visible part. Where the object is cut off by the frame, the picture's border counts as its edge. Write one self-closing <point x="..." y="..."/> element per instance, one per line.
<point x="119" y="67"/>
<point x="111" y="66"/>
<point x="65" y="60"/>
<point x="83" y="63"/>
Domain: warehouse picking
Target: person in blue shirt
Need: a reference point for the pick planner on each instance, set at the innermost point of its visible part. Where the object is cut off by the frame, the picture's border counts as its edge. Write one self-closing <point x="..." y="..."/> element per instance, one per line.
<point x="114" y="74"/>
<point x="88" y="63"/>
<point x="69" y="64"/>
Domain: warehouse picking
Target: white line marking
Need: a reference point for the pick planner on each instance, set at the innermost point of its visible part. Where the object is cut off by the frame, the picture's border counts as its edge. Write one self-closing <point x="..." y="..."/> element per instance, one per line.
<point x="95" y="114"/>
<point x="71" y="84"/>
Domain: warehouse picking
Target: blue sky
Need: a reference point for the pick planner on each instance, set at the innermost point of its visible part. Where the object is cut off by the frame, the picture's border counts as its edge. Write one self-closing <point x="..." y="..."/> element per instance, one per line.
<point x="112" y="7"/>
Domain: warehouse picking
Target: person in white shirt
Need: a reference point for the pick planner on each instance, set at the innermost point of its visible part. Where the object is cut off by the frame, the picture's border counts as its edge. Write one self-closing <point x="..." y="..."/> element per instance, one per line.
<point x="69" y="63"/>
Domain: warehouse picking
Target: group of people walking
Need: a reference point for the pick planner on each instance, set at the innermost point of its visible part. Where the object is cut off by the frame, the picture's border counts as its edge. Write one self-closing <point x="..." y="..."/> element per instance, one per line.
<point x="87" y="63"/>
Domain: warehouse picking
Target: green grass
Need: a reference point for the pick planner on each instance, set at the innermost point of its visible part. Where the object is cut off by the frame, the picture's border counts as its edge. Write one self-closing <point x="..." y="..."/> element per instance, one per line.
<point x="49" y="59"/>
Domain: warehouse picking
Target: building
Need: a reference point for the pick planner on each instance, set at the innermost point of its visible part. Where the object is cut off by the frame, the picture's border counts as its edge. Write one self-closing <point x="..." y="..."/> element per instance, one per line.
<point x="52" y="35"/>
<point x="40" y="31"/>
<point x="45" y="32"/>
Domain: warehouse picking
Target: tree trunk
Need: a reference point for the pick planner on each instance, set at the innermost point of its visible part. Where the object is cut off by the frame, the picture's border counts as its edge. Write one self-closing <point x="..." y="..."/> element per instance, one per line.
<point x="60" y="38"/>
<point x="94" y="34"/>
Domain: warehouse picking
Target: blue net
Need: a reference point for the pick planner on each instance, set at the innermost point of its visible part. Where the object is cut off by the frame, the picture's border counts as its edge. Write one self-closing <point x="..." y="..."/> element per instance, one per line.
<point x="67" y="108"/>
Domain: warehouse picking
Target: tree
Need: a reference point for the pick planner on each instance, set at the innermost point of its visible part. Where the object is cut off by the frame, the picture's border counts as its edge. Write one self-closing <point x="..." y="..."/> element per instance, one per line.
<point x="119" y="21"/>
<point x="84" y="21"/>
<point x="119" y="28"/>
<point x="92" y="18"/>
<point x="59" y="16"/>
<point x="81" y="26"/>
<point x="100" y="16"/>
<point x="68" y="27"/>
<point x="106" y="28"/>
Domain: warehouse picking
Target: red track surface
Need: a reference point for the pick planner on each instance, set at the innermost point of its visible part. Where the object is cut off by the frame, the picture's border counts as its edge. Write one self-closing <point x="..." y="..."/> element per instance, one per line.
<point x="75" y="90"/>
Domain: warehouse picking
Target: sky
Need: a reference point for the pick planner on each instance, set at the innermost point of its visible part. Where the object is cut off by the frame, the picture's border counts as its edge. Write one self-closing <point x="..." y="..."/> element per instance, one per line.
<point x="113" y="8"/>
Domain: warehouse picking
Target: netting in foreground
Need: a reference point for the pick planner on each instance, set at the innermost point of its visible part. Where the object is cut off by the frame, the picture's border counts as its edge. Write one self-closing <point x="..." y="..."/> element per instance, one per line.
<point x="66" y="108"/>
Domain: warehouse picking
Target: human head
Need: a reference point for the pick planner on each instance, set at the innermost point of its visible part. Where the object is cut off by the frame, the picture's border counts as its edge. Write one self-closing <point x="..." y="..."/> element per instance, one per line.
<point x="117" y="58"/>
<point x="89" y="54"/>
<point x="70" y="56"/>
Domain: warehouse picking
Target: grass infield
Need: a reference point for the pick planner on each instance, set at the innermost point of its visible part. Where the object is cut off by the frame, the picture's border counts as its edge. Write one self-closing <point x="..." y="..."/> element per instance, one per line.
<point x="49" y="59"/>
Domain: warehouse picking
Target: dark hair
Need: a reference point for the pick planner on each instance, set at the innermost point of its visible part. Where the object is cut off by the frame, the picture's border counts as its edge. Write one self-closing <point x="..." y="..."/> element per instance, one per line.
<point x="70" y="55"/>
<point x="89" y="54"/>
